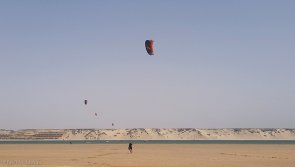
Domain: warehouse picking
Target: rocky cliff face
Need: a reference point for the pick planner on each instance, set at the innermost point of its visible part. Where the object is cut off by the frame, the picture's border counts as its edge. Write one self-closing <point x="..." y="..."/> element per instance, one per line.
<point x="150" y="134"/>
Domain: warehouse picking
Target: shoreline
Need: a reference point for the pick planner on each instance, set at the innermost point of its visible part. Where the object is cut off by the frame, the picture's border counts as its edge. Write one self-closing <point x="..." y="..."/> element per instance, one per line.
<point x="159" y="142"/>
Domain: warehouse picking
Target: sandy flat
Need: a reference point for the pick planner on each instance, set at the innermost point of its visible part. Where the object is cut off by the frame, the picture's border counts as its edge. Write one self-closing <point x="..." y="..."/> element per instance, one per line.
<point x="147" y="155"/>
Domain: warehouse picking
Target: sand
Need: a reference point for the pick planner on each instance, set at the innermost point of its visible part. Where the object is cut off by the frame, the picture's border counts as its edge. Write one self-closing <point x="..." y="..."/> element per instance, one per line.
<point x="151" y="134"/>
<point x="147" y="155"/>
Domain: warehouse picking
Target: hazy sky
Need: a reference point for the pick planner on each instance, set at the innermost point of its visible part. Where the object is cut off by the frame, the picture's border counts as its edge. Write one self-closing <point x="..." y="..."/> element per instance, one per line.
<point x="217" y="64"/>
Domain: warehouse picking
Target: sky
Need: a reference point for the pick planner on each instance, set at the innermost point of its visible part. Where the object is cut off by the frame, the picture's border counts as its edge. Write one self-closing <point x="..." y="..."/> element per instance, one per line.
<point x="217" y="64"/>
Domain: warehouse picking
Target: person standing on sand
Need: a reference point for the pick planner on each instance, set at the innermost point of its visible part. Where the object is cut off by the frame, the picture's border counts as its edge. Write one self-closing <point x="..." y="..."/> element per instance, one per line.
<point x="130" y="148"/>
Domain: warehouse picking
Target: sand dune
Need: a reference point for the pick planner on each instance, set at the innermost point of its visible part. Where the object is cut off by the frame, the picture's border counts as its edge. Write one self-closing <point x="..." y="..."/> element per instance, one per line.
<point x="151" y="134"/>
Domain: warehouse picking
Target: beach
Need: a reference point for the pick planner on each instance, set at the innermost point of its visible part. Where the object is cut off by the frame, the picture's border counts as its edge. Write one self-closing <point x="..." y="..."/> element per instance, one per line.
<point x="147" y="155"/>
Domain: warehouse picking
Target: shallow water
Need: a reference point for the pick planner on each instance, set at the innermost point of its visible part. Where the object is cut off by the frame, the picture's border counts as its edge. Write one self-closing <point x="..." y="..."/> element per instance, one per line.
<point x="147" y="141"/>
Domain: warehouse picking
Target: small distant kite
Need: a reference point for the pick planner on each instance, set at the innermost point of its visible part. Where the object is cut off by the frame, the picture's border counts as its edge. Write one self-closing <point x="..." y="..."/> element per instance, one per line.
<point x="112" y="124"/>
<point x="85" y="102"/>
<point x="149" y="46"/>
<point x="95" y="114"/>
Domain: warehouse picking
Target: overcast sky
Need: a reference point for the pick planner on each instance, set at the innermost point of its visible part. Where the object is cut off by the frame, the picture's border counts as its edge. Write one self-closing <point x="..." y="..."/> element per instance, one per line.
<point x="217" y="64"/>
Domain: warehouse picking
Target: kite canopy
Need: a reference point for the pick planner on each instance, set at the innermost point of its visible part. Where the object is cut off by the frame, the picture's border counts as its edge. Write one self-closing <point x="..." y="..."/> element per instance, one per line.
<point x="149" y="46"/>
<point x="85" y="102"/>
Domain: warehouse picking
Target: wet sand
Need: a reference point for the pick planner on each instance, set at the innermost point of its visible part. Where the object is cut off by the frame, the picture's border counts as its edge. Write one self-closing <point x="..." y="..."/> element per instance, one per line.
<point x="147" y="155"/>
